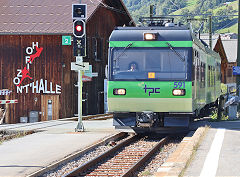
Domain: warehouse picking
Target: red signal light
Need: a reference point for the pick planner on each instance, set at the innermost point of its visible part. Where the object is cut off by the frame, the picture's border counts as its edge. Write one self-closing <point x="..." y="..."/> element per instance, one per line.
<point x="79" y="28"/>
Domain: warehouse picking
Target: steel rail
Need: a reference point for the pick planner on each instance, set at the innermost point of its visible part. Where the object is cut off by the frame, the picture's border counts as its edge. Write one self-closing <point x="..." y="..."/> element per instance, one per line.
<point x="131" y="170"/>
<point x="94" y="161"/>
<point x="77" y="154"/>
<point x="143" y="159"/>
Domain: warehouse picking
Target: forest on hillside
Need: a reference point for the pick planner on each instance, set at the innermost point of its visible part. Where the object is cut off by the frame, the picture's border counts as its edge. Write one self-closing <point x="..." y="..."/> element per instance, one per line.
<point x="220" y="9"/>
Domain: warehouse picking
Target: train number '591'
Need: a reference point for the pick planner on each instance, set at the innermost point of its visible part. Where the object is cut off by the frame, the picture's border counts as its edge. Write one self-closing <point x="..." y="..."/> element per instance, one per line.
<point x="179" y="84"/>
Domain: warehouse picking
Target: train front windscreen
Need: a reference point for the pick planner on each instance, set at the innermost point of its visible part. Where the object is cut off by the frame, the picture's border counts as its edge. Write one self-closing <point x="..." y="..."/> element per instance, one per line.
<point x="149" y="63"/>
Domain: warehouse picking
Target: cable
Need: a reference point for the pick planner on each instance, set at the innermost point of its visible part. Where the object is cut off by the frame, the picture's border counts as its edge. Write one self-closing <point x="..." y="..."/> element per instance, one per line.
<point x="110" y="8"/>
<point x="233" y="21"/>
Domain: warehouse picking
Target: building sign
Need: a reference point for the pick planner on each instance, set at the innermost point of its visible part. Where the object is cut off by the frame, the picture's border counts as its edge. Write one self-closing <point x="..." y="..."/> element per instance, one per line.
<point x="236" y="70"/>
<point x="40" y="86"/>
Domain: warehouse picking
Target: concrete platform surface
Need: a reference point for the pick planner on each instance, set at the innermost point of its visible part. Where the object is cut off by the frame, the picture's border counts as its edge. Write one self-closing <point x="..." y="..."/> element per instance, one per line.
<point x="218" y="154"/>
<point x="25" y="155"/>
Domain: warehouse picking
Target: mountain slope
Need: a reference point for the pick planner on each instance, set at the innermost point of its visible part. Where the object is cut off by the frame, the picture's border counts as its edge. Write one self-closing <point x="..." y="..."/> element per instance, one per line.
<point x="218" y="8"/>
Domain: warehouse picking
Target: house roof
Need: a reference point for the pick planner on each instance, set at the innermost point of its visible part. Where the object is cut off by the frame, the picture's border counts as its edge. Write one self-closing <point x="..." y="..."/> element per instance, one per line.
<point x="230" y="45"/>
<point x="45" y="16"/>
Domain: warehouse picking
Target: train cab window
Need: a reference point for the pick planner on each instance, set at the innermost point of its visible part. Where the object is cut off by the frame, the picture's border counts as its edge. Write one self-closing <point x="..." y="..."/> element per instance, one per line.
<point x="166" y="64"/>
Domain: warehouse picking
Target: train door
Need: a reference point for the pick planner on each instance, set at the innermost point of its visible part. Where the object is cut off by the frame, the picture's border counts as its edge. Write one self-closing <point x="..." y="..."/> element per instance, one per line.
<point x="49" y="107"/>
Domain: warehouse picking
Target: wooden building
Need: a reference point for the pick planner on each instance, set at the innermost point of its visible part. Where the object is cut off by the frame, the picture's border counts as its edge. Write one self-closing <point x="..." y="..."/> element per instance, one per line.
<point x="226" y="46"/>
<point x="219" y="48"/>
<point x="35" y="57"/>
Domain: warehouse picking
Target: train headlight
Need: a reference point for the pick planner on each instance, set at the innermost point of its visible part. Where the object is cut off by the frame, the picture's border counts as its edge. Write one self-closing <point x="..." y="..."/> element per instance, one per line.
<point x="150" y="36"/>
<point x="119" y="91"/>
<point x="178" y="92"/>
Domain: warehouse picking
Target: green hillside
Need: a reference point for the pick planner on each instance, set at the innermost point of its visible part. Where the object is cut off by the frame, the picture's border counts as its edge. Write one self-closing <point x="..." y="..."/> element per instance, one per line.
<point x="219" y="8"/>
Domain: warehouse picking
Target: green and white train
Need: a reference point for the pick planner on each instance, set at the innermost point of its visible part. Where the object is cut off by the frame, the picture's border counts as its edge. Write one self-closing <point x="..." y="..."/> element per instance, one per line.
<point x="160" y="77"/>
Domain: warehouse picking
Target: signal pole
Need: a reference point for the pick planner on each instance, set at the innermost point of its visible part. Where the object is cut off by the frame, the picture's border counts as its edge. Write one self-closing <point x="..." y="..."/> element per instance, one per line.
<point x="79" y="12"/>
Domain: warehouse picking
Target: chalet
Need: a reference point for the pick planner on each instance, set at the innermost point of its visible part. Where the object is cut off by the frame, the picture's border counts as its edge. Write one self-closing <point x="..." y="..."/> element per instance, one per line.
<point x="226" y="46"/>
<point x="36" y="55"/>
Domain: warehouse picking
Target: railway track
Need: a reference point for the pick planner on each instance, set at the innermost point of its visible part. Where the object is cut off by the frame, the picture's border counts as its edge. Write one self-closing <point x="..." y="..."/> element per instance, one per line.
<point x="53" y="123"/>
<point x="122" y="160"/>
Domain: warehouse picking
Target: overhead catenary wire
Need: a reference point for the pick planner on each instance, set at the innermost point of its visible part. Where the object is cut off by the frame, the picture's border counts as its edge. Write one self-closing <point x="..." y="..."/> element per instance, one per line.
<point x="110" y="8"/>
<point x="123" y="12"/>
<point x="233" y="21"/>
<point x="188" y="15"/>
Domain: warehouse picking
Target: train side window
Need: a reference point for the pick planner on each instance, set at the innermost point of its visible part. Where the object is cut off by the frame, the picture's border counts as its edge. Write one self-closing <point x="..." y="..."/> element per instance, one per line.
<point x="210" y="80"/>
<point x="200" y="73"/>
<point x="203" y="75"/>
<point x="209" y="73"/>
<point x="214" y="76"/>
<point x="198" y="68"/>
<point x="193" y="69"/>
<point x="219" y="71"/>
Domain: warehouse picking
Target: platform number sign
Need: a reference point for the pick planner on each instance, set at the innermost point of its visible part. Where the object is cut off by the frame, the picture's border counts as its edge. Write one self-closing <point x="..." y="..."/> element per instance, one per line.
<point x="66" y="40"/>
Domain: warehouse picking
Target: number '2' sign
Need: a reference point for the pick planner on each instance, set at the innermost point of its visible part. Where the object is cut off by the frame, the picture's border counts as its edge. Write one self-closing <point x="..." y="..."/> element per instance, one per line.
<point x="179" y="85"/>
<point x="66" y="40"/>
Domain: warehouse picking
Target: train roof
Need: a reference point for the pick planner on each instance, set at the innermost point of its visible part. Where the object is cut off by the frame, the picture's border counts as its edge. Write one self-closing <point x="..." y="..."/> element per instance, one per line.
<point x="177" y="33"/>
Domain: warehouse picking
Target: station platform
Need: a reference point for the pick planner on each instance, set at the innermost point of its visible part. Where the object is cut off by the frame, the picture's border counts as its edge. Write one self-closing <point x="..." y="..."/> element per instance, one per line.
<point x="218" y="153"/>
<point x="53" y="141"/>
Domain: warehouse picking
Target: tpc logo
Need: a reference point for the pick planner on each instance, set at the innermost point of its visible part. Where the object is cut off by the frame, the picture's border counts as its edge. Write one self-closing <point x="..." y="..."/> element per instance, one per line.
<point x="151" y="90"/>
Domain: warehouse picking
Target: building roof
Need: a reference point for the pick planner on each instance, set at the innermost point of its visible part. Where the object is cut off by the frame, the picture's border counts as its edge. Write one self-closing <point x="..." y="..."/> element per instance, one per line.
<point x="230" y="45"/>
<point x="45" y="16"/>
<point x="205" y="38"/>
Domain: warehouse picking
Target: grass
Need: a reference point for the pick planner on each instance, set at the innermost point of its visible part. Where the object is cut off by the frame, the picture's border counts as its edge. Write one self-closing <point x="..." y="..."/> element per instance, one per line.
<point x="191" y="2"/>
<point x="146" y="173"/>
<point x="234" y="27"/>
<point x="214" y="116"/>
<point x="13" y="135"/>
<point x="231" y="29"/>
